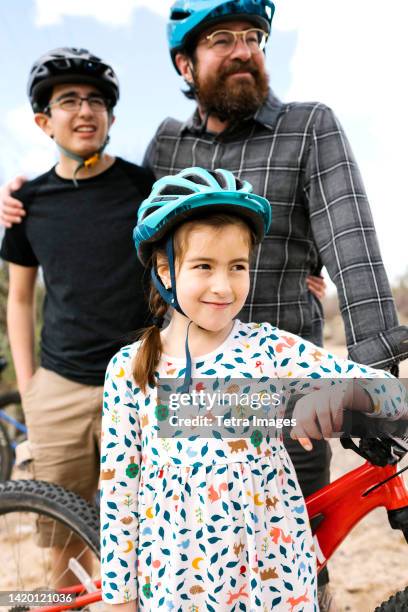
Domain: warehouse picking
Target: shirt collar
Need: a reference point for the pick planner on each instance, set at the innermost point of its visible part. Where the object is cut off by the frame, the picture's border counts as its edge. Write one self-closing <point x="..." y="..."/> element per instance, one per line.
<point x="266" y="115"/>
<point x="269" y="112"/>
<point x="193" y="124"/>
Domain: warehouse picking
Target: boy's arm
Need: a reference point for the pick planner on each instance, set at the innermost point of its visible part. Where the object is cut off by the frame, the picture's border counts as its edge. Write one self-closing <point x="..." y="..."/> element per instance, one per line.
<point x="11" y="210"/>
<point x="20" y="321"/>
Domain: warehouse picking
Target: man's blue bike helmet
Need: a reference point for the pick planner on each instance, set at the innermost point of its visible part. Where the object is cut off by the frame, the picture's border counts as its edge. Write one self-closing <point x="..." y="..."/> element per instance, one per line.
<point x="193" y="193"/>
<point x="188" y="18"/>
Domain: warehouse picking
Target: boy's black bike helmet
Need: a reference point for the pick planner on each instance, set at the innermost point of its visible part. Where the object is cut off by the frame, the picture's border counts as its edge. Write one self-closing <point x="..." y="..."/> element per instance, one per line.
<point x="69" y="65"/>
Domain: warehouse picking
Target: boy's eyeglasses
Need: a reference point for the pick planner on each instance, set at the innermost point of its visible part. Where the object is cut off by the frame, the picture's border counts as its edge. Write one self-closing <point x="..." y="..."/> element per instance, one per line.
<point x="223" y="42"/>
<point x="71" y="104"/>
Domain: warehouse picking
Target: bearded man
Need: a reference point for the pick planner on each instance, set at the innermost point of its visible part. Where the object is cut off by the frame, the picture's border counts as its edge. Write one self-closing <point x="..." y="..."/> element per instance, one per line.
<point x="297" y="156"/>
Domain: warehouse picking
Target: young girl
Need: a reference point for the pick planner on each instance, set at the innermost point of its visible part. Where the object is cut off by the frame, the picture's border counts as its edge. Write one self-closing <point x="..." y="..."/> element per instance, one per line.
<point x="214" y="524"/>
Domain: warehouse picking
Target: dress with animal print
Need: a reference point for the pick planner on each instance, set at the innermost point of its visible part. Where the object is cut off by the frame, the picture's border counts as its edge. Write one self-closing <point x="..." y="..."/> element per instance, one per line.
<point x="211" y="525"/>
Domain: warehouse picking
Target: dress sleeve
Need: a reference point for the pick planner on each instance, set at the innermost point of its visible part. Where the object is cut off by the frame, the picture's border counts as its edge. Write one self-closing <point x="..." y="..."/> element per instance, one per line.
<point x="298" y="359"/>
<point x="120" y="473"/>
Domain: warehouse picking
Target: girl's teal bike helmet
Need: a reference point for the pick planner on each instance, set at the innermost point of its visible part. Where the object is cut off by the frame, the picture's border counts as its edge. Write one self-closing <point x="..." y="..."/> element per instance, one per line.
<point x="188" y="18"/>
<point x="193" y="193"/>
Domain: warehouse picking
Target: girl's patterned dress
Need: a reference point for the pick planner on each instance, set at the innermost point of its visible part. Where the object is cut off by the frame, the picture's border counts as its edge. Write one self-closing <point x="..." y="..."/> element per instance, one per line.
<point x="211" y="525"/>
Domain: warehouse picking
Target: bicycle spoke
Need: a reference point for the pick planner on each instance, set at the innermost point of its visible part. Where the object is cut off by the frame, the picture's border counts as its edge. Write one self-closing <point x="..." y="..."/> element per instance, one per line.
<point x="54" y="524"/>
<point x="45" y="565"/>
<point x="60" y="556"/>
<point x="78" y="557"/>
<point x="19" y="531"/>
<point x="9" y="537"/>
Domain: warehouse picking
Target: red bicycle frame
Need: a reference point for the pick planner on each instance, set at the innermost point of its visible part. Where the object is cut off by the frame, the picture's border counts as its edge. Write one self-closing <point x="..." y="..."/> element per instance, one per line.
<point x="344" y="502"/>
<point x="341" y="505"/>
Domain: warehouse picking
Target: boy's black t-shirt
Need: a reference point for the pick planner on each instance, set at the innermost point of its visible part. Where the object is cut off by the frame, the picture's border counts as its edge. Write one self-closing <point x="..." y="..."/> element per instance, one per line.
<point x="95" y="285"/>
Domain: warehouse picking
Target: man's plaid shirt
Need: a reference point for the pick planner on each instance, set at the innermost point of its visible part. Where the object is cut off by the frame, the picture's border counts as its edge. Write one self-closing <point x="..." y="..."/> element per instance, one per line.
<point x="297" y="156"/>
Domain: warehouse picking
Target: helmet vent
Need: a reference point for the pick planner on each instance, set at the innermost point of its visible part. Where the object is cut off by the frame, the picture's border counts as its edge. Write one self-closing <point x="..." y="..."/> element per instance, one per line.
<point x="61" y="64"/>
<point x="175" y="190"/>
<point x="178" y="15"/>
<point x="196" y="178"/>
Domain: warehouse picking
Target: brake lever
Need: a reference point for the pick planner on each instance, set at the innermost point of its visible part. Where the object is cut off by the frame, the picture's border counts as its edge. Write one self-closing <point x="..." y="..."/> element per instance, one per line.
<point x="377" y="440"/>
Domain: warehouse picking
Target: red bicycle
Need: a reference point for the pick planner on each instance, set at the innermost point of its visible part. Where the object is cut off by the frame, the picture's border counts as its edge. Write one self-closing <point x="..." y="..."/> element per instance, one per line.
<point x="337" y="508"/>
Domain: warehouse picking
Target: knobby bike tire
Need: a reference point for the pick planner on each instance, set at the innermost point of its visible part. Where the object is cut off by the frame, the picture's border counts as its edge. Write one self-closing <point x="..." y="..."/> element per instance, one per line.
<point x="55" y="502"/>
<point x="6" y="454"/>
<point x="396" y="603"/>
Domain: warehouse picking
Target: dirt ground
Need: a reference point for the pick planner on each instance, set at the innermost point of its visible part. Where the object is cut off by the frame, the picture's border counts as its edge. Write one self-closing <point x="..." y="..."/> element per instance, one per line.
<point x="369" y="566"/>
<point x="372" y="563"/>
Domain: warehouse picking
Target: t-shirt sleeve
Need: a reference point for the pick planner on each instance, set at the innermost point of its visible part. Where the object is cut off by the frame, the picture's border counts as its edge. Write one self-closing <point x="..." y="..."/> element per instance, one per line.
<point x="120" y="473"/>
<point x="16" y="247"/>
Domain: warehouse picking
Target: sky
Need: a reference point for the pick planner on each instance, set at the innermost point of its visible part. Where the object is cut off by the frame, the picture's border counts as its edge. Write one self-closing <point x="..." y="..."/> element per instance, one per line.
<point x="349" y="54"/>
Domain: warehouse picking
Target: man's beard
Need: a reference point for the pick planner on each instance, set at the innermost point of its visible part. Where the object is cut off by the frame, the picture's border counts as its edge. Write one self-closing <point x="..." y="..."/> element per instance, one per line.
<point x="232" y="99"/>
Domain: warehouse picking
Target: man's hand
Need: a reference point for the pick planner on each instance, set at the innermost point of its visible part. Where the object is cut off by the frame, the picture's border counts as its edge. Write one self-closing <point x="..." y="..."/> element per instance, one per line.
<point x="317" y="286"/>
<point x="11" y="210"/>
<point x="319" y="414"/>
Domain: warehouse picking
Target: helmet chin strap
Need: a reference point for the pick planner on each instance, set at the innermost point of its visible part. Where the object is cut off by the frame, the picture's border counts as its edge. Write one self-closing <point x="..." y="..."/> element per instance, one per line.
<point x="83" y="162"/>
<point x="170" y="297"/>
<point x="194" y="92"/>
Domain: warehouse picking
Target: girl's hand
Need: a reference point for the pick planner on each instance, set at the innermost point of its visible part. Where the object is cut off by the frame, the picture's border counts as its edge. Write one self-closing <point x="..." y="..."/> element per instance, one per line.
<point x="319" y="414"/>
<point x="130" y="606"/>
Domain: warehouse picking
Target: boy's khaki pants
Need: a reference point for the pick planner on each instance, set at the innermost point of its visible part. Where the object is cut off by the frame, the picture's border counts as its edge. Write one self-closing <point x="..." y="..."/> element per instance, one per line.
<point x="64" y="427"/>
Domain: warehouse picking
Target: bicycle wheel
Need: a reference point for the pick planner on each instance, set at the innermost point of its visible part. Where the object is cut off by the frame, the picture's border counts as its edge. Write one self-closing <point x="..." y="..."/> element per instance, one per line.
<point x="26" y="566"/>
<point x="396" y="603"/>
<point x="6" y="454"/>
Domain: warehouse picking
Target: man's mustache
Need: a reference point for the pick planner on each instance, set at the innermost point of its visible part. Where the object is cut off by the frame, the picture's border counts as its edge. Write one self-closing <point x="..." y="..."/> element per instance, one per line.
<point x="237" y="66"/>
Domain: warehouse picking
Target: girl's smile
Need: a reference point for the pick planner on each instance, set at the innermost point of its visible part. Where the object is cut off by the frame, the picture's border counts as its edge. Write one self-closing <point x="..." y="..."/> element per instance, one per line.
<point x="217" y="304"/>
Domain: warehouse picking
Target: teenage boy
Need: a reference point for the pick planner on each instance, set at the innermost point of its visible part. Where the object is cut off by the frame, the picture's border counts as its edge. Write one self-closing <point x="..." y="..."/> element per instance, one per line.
<point x="79" y="231"/>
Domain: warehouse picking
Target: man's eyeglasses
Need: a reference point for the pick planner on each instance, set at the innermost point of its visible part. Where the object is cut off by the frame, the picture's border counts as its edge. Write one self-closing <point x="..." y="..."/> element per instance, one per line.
<point x="73" y="103"/>
<point x="223" y="42"/>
